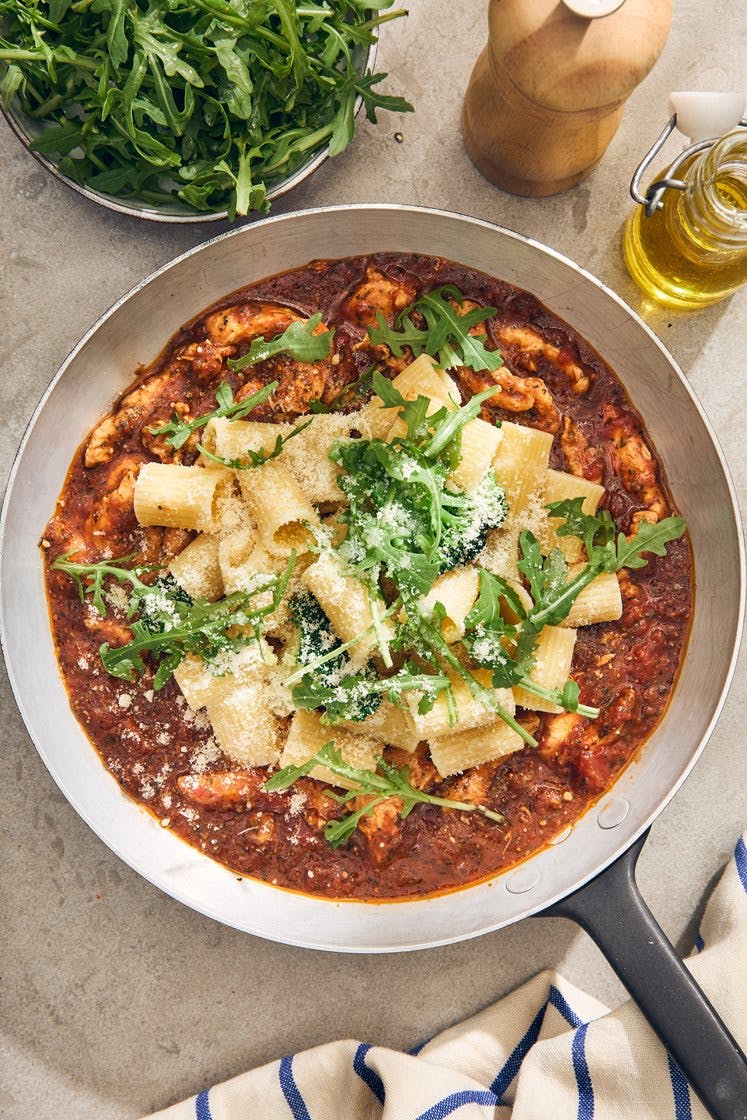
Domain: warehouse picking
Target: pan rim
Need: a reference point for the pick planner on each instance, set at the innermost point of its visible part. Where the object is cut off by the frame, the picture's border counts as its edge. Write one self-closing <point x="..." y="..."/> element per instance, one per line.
<point x="623" y="842"/>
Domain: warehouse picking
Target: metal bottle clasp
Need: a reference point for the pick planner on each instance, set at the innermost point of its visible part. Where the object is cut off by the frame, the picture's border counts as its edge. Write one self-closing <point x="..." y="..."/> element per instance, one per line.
<point x="652" y="199"/>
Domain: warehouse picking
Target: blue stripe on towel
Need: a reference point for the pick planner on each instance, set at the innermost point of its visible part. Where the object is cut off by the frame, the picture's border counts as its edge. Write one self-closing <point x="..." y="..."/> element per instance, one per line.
<point x="699" y="942"/>
<point x="511" y="1066"/>
<point x="202" y="1106"/>
<point x="680" y="1091"/>
<point x="581" y="1070"/>
<point x="291" y="1092"/>
<point x="740" y="859"/>
<point x="560" y="1003"/>
<point x="370" y="1076"/>
<point x="443" y="1108"/>
<point x="416" y="1049"/>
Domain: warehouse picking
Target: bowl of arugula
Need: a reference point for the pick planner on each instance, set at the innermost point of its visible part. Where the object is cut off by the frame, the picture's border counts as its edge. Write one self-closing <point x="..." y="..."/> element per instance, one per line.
<point x="189" y="110"/>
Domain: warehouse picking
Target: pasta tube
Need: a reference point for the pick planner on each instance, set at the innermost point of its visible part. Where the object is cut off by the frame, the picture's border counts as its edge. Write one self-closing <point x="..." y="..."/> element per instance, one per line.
<point x="197" y="570"/>
<point x="471" y="712"/>
<point x="346" y="601"/>
<point x="456" y="591"/>
<point x="178" y="497"/>
<point x="452" y="754"/>
<point x="308" y="734"/>
<point x="552" y="666"/>
<point x="284" y="515"/>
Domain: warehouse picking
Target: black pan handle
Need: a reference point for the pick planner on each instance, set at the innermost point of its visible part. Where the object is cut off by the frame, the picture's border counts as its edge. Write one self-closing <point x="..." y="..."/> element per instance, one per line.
<point x="612" y="911"/>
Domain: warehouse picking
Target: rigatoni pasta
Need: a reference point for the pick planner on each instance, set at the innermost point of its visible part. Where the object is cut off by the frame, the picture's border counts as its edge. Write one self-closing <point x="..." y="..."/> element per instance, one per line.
<point x="457" y="752"/>
<point x="456" y="591"/>
<point x="553" y="655"/>
<point x="284" y="515"/>
<point x="197" y="568"/>
<point x="520" y="462"/>
<point x="244" y="725"/>
<point x="178" y="497"/>
<point x="479" y="446"/>
<point x="347" y="602"/>
<point x="307" y="735"/>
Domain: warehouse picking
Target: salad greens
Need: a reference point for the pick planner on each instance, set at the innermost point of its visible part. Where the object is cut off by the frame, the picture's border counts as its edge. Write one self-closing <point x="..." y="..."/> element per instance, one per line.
<point x="383" y="782"/>
<point x="204" y="101"/>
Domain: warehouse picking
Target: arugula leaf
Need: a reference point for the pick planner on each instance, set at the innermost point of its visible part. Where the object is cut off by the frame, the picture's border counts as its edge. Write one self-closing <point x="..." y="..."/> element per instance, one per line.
<point x="404" y="334"/>
<point x="509" y="650"/>
<point x="298" y="340"/>
<point x="487" y="609"/>
<point x="89" y="578"/>
<point x="649" y="538"/>
<point x="178" y="431"/>
<point x="446" y="336"/>
<point x="171" y="624"/>
<point x="349" y="396"/>
<point x="256" y="458"/>
<point x="547" y="575"/>
<point x="604" y="553"/>
<point x="430" y="433"/>
<point x="204" y="101"/>
<point x="383" y="782"/>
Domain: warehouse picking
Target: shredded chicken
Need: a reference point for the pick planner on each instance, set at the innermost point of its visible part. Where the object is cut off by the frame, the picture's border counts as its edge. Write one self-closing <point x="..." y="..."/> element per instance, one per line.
<point x="377" y="293"/>
<point x="381" y="828"/>
<point x="206" y="359"/>
<point x="579" y="457"/>
<point x="115" y="428"/>
<point x="474" y="784"/>
<point x="225" y="789"/>
<point x="115" y="508"/>
<point x="516" y="394"/>
<point x="636" y="467"/>
<point x="247" y="321"/>
<point x="527" y="347"/>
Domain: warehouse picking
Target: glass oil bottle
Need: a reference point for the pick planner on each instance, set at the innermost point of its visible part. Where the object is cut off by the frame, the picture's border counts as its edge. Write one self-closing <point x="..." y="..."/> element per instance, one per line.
<point x="686" y="245"/>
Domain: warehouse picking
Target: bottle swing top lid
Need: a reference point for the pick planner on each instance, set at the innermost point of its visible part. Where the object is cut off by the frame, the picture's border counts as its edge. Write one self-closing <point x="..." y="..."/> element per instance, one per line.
<point x="702" y="118"/>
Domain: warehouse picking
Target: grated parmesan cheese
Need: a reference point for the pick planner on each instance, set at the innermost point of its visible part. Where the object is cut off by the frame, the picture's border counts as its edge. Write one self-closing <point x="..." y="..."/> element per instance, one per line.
<point x="296" y="803"/>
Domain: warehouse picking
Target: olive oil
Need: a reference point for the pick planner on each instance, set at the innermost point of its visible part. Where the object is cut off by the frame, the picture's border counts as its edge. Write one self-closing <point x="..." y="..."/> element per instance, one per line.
<point x="693" y="251"/>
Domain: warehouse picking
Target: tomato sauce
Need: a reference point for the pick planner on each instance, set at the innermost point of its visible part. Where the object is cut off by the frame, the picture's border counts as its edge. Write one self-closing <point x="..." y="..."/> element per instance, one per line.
<point x="552" y="379"/>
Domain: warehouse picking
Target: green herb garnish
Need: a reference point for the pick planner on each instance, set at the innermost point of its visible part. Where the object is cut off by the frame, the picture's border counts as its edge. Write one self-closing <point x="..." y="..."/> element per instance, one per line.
<point x="178" y="431"/>
<point x="383" y="782"/>
<point x="349" y="396"/>
<point x="298" y="340"/>
<point x="607" y="551"/>
<point x="508" y="650"/>
<point x="446" y="334"/>
<point x="170" y="624"/>
<point x="204" y="101"/>
<point x="251" y="459"/>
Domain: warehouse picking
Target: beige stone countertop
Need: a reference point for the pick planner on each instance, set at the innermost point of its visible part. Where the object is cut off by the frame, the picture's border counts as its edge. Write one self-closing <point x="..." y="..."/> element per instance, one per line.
<point x="115" y="999"/>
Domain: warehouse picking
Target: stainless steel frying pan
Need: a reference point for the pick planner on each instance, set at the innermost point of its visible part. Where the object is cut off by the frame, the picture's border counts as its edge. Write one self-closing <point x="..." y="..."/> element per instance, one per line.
<point x="587" y="875"/>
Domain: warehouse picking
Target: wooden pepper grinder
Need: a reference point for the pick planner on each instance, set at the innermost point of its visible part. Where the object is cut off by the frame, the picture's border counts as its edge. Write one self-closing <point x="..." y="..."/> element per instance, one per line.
<point x="547" y="94"/>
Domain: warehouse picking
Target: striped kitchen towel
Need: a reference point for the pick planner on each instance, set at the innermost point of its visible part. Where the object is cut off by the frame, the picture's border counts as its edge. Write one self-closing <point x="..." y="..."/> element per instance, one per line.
<point x="547" y="1050"/>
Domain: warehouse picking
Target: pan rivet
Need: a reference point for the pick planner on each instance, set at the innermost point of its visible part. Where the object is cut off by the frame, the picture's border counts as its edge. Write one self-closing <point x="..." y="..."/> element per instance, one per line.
<point x="523" y="881"/>
<point x="613" y="813"/>
<point x="562" y="835"/>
